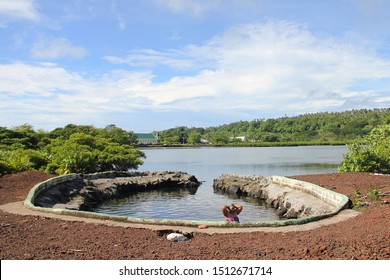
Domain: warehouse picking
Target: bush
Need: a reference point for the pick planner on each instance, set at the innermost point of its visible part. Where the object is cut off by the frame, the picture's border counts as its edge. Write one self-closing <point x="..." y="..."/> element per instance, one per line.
<point x="72" y="149"/>
<point x="14" y="161"/>
<point x="372" y="154"/>
<point x="82" y="153"/>
<point x="73" y="158"/>
<point x="120" y="158"/>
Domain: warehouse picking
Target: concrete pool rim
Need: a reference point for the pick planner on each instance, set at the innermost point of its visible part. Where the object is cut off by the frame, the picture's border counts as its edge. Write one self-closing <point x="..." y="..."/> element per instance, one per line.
<point x="338" y="201"/>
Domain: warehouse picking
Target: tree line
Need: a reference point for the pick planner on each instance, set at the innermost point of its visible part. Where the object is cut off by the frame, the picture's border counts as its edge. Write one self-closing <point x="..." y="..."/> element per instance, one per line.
<point x="86" y="149"/>
<point x="317" y="128"/>
<point x="71" y="149"/>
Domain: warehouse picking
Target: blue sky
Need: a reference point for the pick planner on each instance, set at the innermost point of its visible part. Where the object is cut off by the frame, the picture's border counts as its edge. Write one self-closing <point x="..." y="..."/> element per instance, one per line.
<point x="153" y="64"/>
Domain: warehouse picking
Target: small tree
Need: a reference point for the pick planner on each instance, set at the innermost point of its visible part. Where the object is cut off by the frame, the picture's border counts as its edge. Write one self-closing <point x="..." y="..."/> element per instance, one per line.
<point x="372" y="154"/>
<point x="120" y="158"/>
<point x="193" y="137"/>
<point x="73" y="158"/>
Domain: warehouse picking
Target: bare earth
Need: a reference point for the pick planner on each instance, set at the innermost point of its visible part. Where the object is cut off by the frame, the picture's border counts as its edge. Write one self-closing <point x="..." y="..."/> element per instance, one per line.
<point x="366" y="236"/>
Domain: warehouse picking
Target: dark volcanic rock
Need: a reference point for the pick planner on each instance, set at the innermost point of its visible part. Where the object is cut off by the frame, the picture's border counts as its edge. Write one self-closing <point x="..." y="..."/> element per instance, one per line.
<point x="88" y="190"/>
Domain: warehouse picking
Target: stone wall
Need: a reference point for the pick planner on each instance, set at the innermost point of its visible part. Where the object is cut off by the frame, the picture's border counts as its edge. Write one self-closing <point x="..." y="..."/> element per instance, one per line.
<point x="291" y="198"/>
<point x="86" y="191"/>
<point x="63" y="192"/>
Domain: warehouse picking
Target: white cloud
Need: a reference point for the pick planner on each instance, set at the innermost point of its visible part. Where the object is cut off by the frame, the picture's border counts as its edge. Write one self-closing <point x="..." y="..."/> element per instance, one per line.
<point x="48" y="80"/>
<point x="43" y="80"/>
<point x="268" y="69"/>
<point x="277" y="64"/>
<point x="57" y="48"/>
<point x="47" y="93"/>
<point x="19" y="9"/>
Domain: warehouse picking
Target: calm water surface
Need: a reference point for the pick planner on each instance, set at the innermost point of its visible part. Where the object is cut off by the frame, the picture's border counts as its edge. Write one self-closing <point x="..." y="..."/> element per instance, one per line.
<point x="209" y="163"/>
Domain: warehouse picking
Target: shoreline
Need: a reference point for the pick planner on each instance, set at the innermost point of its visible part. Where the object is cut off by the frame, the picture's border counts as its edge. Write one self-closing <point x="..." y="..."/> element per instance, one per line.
<point x="244" y="145"/>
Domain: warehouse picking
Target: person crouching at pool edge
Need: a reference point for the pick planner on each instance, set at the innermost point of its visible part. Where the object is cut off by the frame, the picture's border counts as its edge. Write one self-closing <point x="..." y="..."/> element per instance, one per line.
<point x="231" y="212"/>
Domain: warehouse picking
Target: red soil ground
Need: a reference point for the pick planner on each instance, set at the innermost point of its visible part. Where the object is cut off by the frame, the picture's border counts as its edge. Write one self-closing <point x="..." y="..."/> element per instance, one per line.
<point x="366" y="236"/>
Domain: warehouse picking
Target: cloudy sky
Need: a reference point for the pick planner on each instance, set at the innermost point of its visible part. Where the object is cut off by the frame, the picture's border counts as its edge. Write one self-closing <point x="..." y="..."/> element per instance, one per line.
<point x="149" y="65"/>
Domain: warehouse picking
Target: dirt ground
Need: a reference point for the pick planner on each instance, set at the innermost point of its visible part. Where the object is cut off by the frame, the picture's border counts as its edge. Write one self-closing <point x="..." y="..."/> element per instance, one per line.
<point x="366" y="236"/>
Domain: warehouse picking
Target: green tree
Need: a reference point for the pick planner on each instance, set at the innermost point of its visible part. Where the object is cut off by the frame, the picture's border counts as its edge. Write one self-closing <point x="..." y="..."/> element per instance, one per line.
<point x="73" y="158"/>
<point x="120" y="158"/>
<point x="83" y="153"/>
<point x="220" y="138"/>
<point x="371" y="154"/>
<point x="177" y="135"/>
<point x="19" y="137"/>
<point x="74" y="148"/>
<point x="193" y="137"/>
<point x="119" y="135"/>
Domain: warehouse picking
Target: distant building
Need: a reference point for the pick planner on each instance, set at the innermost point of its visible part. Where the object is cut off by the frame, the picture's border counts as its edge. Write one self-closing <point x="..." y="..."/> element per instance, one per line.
<point x="241" y="138"/>
<point x="147" y="138"/>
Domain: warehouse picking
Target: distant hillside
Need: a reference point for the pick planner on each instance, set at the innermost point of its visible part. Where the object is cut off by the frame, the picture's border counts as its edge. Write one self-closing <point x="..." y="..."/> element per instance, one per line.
<point x="317" y="128"/>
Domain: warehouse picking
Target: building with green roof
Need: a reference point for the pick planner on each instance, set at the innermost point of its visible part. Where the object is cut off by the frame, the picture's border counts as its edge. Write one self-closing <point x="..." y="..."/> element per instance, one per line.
<point x="147" y="139"/>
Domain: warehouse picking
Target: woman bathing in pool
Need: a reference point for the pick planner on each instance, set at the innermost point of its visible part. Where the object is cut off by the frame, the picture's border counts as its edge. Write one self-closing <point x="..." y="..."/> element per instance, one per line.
<point x="231" y="212"/>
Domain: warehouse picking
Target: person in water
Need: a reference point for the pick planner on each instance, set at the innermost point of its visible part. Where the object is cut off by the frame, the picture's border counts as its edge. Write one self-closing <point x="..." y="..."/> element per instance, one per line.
<point x="231" y="212"/>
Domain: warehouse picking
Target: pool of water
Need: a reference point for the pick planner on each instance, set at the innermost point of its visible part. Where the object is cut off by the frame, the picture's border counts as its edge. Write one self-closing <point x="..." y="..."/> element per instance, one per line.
<point x="209" y="163"/>
<point x="183" y="205"/>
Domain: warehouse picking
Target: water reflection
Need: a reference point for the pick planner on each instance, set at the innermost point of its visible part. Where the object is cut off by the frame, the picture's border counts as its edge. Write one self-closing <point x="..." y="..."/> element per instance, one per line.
<point x="183" y="204"/>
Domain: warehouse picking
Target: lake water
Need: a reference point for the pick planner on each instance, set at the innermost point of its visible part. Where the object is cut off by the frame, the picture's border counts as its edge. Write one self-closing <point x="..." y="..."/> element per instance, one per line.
<point x="208" y="163"/>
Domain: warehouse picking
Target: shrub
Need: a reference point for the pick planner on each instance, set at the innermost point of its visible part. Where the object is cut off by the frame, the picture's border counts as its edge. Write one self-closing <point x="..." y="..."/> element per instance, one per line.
<point x="372" y="154"/>
<point x="15" y="161"/>
<point x="120" y="158"/>
<point x="73" y="158"/>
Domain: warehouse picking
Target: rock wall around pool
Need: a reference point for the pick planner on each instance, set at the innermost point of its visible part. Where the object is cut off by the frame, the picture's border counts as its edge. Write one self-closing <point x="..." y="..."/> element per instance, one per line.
<point x="73" y="194"/>
<point x="86" y="191"/>
<point x="291" y="198"/>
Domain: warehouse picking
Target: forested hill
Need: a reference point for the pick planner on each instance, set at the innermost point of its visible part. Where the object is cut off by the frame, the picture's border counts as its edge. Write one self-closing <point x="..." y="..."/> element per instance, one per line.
<point x="320" y="128"/>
